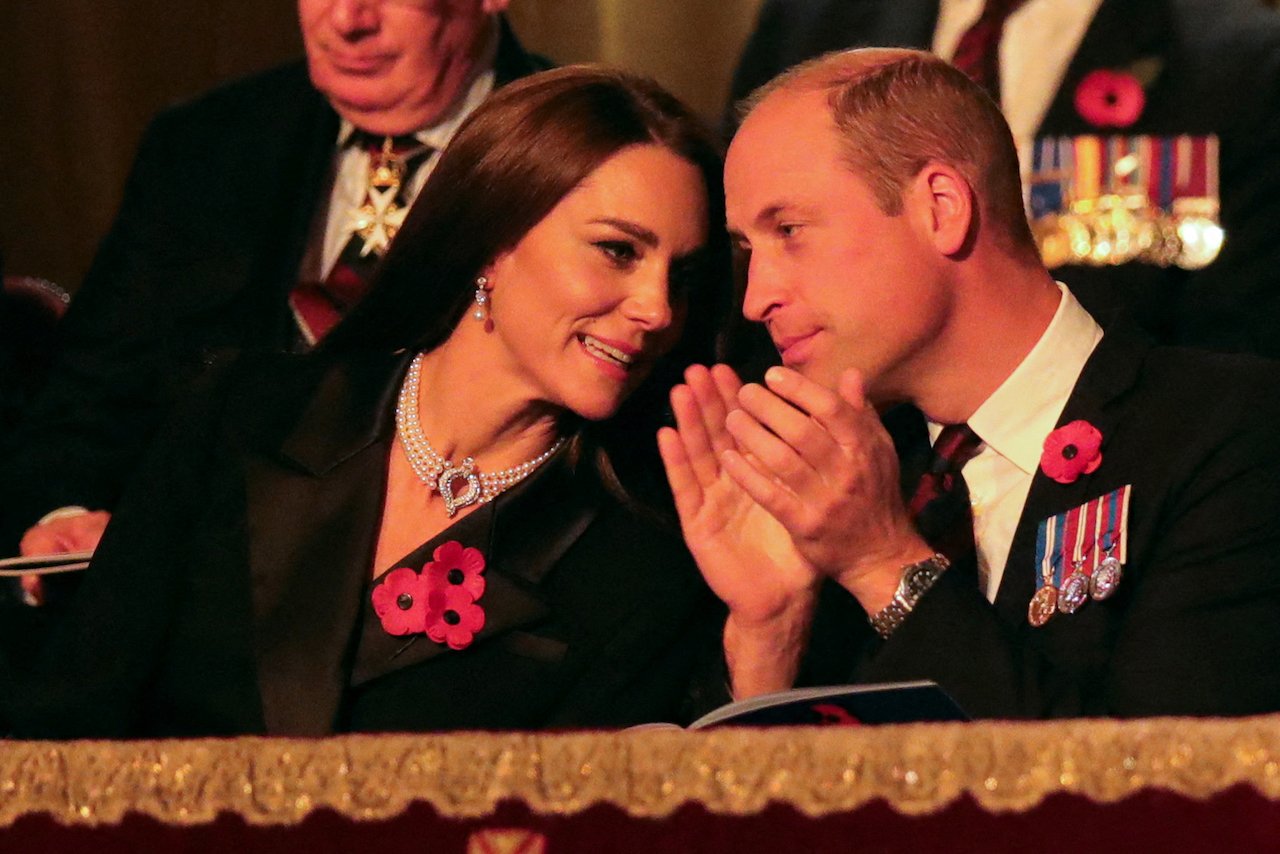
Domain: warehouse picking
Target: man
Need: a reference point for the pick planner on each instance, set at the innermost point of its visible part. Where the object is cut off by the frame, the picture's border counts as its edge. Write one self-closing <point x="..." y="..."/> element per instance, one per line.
<point x="251" y="219"/>
<point x="1124" y="552"/>
<point x="1184" y="60"/>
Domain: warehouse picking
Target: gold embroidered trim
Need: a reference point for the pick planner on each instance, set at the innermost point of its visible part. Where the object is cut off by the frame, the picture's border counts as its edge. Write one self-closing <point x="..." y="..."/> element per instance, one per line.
<point x="917" y="769"/>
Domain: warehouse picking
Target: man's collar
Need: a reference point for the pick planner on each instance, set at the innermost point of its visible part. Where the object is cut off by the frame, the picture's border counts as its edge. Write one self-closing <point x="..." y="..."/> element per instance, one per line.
<point x="1019" y="414"/>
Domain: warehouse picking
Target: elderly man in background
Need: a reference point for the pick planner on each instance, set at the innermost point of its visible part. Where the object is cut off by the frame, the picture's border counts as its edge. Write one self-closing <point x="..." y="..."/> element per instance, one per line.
<point x="253" y="218"/>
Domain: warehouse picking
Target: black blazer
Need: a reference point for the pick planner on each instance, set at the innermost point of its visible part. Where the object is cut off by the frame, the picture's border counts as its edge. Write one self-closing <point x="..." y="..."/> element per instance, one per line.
<point x="1194" y="627"/>
<point x="226" y="596"/>
<point x="1218" y="64"/>
<point x="205" y="249"/>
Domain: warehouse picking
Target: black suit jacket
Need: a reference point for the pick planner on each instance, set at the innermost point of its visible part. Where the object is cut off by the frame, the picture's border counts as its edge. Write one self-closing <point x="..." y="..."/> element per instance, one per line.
<point x="1218" y="65"/>
<point x="1194" y="627"/>
<point x="226" y="596"/>
<point x="201" y="257"/>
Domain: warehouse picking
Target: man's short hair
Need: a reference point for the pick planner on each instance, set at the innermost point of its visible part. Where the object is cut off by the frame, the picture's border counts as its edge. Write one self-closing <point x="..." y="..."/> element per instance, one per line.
<point x="896" y="110"/>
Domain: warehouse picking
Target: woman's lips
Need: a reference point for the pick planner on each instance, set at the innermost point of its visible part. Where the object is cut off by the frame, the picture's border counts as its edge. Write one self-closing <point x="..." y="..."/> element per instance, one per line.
<point x="615" y="358"/>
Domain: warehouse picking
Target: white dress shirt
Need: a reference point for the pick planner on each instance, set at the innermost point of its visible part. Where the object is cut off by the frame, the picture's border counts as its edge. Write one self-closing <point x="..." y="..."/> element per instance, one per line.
<point x="1013" y="424"/>
<point x="351" y="170"/>
<point x="1039" y="40"/>
<point x="351" y="181"/>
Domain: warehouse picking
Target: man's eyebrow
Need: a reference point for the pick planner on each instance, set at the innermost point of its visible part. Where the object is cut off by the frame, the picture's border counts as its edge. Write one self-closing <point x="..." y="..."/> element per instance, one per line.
<point x="639" y="232"/>
<point x="766" y="216"/>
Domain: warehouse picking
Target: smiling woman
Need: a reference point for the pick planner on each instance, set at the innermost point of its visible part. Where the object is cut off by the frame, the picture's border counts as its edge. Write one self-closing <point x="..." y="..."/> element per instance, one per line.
<point x="435" y="520"/>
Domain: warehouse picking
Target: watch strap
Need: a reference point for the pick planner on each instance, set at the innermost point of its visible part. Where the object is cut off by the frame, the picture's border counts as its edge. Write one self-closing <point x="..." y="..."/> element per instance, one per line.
<point x="917" y="578"/>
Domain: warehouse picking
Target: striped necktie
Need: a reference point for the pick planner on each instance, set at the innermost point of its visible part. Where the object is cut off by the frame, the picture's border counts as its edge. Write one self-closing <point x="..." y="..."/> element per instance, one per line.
<point x="318" y="306"/>
<point x="940" y="503"/>
<point x="978" y="52"/>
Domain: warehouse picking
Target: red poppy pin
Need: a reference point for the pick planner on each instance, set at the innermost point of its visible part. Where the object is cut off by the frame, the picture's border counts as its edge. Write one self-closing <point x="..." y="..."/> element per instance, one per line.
<point x="400" y="602"/>
<point x="454" y="617"/>
<point x="440" y="600"/>
<point x="1110" y="99"/>
<point x="457" y="567"/>
<point x="1072" y="450"/>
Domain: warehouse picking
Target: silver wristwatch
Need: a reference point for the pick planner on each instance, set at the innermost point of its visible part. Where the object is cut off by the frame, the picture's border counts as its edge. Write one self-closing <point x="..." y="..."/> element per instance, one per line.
<point x="917" y="578"/>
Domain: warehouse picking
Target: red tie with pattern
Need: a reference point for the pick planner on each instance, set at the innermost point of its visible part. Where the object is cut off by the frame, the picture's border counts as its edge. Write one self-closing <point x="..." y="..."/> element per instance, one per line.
<point x="978" y="52"/>
<point x="940" y="503"/>
<point x="318" y="306"/>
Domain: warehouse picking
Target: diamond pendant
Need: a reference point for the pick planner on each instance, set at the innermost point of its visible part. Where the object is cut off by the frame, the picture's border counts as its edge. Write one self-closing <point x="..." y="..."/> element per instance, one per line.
<point x="451" y="473"/>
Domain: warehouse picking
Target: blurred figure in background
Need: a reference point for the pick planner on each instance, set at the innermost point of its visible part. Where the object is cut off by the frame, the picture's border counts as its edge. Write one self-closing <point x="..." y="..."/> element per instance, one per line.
<point x="1174" y="103"/>
<point x="253" y="219"/>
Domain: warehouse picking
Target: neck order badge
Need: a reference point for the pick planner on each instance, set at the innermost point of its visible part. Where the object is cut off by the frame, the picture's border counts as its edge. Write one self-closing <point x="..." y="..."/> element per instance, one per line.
<point x="372" y="224"/>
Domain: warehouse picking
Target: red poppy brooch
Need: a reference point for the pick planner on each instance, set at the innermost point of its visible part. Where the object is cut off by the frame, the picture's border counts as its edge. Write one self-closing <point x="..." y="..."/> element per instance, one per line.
<point x="1110" y="99"/>
<point x="440" y="601"/>
<point x="1072" y="450"/>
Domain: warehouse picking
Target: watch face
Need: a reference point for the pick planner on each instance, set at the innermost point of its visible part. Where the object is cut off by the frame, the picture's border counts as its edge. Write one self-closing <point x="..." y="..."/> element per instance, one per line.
<point x="919" y="579"/>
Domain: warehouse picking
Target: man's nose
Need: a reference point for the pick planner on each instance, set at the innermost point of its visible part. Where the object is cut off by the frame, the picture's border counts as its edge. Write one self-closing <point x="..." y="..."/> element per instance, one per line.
<point x="352" y="17"/>
<point x="764" y="290"/>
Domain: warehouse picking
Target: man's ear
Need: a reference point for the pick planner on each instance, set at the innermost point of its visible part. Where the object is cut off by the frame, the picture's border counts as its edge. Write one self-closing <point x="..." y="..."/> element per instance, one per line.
<point x="946" y="206"/>
<point x="493" y="7"/>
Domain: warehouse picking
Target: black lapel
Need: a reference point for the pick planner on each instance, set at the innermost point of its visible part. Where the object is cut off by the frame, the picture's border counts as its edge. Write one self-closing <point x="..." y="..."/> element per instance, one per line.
<point x="522" y="535"/>
<point x="301" y="156"/>
<point x="512" y="61"/>
<point x="1098" y="396"/>
<point x="1131" y="35"/>
<point x="314" y="504"/>
<point x="906" y="23"/>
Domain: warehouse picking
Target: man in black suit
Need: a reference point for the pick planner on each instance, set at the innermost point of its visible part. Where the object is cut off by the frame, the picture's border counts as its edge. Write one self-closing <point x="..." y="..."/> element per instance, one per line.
<point x="234" y="200"/>
<point x="1094" y="531"/>
<point x="1205" y="68"/>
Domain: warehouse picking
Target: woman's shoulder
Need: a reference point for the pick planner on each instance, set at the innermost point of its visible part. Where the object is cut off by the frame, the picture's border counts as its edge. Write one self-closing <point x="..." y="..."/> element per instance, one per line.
<point x="250" y="394"/>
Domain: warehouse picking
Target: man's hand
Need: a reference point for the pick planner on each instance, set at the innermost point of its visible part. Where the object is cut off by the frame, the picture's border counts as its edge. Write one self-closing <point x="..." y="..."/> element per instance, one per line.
<point x="79" y="532"/>
<point x="747" y="558"/>
<point x="823" y="466"/>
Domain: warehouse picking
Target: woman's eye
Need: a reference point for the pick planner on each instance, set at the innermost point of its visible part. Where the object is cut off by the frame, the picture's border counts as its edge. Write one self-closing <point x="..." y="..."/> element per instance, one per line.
<point x="618" y="251"/>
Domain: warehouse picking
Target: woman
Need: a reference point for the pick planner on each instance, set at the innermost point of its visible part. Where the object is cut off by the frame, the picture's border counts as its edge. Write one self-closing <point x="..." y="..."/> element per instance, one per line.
<point x="432" y="522"/>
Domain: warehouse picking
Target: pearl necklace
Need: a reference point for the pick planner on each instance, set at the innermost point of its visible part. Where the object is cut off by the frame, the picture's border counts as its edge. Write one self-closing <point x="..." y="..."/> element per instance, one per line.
<point x="438" y="473"/>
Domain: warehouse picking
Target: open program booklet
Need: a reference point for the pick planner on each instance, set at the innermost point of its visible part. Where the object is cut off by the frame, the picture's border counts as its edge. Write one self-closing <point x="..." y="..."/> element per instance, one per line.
<point x="886" y="703"/>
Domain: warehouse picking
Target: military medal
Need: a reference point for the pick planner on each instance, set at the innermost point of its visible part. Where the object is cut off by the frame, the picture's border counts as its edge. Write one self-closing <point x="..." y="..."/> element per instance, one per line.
<point x="1113" y="514"/>
<point x="1075" y="592"/>
<point x="1044" y="603"/>
<point x="1079" y="533"/>
<point x="1079" y="543"/>
<point x="1088" y="543"/>
<point x="1195" y="211"/>
<point x="1108" y="200"/>
<point x="1105" y="579"/>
